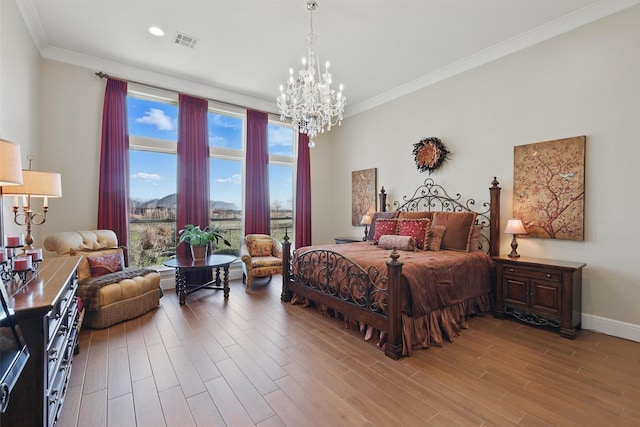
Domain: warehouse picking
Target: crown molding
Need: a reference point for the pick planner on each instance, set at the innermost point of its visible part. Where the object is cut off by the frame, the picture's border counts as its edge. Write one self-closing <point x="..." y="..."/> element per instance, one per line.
<point x="564" y="24"/>
<point x="173" y="82"/>
<point x="33" y="23"/>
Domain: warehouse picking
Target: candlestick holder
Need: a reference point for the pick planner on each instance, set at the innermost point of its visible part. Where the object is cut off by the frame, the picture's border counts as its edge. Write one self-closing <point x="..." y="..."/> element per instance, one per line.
<point x="8" y="273"/>
<point x="36" y="184"/>
<point x="29" y="218"/>
<point x="19" y="265"/>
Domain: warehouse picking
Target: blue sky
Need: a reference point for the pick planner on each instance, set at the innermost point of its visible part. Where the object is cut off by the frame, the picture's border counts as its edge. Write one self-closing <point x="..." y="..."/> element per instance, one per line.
<point x="153" y="174"/>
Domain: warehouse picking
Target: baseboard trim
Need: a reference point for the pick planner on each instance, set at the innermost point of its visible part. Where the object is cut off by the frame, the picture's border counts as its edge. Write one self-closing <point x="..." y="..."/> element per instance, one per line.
<point x="611" y="327"/>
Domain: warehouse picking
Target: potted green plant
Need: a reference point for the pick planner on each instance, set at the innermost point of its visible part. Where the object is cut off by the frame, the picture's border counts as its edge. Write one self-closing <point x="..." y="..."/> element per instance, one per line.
<point x="199" y="239"/>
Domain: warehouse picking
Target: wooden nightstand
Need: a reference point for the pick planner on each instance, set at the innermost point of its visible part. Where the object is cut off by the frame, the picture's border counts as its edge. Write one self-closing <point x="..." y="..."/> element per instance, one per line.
<point x="540" y="292"/>
<point x="341" y="240"/>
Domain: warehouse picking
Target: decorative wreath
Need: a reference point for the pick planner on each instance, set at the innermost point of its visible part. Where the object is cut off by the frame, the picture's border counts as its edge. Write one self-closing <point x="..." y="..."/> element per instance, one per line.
<point x="429" y="153"/>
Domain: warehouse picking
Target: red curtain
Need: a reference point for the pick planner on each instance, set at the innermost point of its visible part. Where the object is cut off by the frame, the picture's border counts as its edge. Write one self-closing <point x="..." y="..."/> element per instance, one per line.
<point x="193" y="165"/>
<point x="113" y="190"/>
<point x="257" y="209"/>
<point x="303" y="193"/>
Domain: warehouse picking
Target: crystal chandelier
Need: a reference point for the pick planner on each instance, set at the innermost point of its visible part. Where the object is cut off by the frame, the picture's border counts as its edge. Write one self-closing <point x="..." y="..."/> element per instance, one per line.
<point x="309" y="102"/>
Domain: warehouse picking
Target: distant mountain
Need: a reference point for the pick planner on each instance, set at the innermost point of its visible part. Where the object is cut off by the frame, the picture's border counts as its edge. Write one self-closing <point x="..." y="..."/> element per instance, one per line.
<point x="170" y="202"/>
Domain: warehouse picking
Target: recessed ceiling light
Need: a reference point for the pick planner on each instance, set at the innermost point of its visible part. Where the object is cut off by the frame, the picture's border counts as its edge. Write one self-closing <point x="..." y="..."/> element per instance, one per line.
<point x="156" y="31"/>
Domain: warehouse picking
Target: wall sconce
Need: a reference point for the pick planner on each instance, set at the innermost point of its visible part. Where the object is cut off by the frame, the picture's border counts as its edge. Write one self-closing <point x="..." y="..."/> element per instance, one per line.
<point x="35" y="184"/>
<point x="366" y="220"/>
<point x="514" y="226"/>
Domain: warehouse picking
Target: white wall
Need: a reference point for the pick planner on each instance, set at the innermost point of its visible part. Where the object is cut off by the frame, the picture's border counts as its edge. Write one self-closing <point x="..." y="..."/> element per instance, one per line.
<point x="586" y="82"/>
<point x="71" y="101"/>
<point x="19" y="71"/>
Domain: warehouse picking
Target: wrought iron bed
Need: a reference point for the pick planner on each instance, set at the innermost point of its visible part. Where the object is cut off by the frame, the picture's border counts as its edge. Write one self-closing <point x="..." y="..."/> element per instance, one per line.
<point x="371" y="295"/>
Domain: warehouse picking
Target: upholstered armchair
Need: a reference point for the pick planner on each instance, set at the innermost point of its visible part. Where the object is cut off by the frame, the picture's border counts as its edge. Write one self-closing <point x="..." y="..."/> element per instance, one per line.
<point x="111" y="292"/>
<point x="261" y="256"/>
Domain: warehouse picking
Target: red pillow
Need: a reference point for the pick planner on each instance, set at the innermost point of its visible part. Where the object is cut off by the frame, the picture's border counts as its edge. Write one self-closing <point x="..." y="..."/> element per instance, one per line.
<point x="105" y="264"/>
<point x="384" y="227"/>
<point x="417" y="228"/>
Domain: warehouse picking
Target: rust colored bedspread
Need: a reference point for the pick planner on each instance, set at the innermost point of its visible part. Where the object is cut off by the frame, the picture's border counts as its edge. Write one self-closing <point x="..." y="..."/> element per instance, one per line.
<point x="440" y="289"/>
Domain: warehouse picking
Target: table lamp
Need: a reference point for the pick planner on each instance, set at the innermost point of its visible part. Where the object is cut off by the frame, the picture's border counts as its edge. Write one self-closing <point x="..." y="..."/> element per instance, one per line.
<point x="514" y="226"/>
<point x="366" y="220"/>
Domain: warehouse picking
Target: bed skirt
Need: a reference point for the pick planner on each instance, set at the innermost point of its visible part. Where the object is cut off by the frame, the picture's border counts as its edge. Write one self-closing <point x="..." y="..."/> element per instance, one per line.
<point x="423" y="331"/>
<point x="429" y="330"/>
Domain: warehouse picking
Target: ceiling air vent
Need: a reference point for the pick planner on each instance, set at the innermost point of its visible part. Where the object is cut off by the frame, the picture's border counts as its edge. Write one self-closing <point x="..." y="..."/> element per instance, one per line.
<point x="185" y="40"/>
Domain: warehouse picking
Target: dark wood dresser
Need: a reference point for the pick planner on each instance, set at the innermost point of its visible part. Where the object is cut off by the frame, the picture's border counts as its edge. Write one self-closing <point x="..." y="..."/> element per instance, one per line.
<point x="541" y="292"/>
<point x="46" y="311"/>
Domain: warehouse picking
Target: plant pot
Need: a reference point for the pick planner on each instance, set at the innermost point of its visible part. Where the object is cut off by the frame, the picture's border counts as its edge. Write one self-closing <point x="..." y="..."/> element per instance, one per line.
<point x="199" y="252"/>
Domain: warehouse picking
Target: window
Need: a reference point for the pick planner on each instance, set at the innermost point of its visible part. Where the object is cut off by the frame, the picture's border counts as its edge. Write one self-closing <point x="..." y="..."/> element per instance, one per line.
<point x="152" y="179"/>
<point x="153" y="135"/>
<point x="281" y="179"/>
<point x="226" y="179"/>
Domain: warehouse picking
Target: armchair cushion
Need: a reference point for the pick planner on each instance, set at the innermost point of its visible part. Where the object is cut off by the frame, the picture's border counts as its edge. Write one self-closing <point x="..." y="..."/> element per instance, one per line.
<point x="260" y="247"/>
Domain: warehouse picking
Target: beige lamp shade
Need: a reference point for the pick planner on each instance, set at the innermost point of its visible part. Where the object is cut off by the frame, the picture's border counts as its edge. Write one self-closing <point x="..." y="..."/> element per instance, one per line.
<point x="366" y="219"/>
<point x="36" y="184"/>
<point x="515" y="226"/>
<point x="10" y="164"/>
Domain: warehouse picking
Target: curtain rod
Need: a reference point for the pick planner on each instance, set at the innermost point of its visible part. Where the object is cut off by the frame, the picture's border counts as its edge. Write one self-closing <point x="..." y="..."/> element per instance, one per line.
<point x="230" y="104"/>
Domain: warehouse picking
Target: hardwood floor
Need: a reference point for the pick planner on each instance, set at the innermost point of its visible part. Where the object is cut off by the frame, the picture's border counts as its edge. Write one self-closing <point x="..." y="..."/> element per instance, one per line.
<point x="257" y="361"/>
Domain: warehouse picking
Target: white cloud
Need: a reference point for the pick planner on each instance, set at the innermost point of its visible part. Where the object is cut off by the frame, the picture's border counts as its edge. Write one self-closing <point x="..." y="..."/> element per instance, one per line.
<point x="151" y="178"/>
<point x="280" y="136"/>
<point x="157" y="118"/>
<point x="223" y="122"/>
<point x="233" y="179"/>
<point x="218" y="141"/>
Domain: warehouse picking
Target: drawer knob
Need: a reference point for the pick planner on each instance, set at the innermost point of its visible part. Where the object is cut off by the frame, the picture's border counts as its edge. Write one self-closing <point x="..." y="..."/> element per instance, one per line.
<point x="548" y="276"/>
<point x="511" y="270"/>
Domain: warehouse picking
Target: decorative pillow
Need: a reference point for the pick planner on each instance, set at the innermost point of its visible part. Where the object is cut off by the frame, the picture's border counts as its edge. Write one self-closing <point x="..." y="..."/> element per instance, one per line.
<point x="418" y="228"/>
<point x="474" y="243"/>
<point x="403" y="243"/>
<point x="459" y="229"/>
<point x="384" y="227"/>
<point x="376" y="216"/>
<point x="105" y="264"/>
<point x="415" y="215"/>
<point x="84" y="269"/>
<point x="260" y="247"/>
<point x="435" y="237"/>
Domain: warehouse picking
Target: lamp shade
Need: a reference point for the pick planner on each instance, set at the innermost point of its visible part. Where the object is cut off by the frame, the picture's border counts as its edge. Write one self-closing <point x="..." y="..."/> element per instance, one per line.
<point x="10" y="164"/>
<point x="36" y="184"/>
<point x="514" y="226"/>
<point x="366" y="219"/>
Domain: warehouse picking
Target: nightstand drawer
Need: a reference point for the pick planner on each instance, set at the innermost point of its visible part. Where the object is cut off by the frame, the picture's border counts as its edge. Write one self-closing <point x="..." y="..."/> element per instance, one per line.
<point x="551" y="275"/>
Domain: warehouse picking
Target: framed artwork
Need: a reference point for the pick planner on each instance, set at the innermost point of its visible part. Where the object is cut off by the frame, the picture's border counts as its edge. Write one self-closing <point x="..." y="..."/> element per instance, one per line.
<point x="548" y="188"/>
<point x="363" y="194"/>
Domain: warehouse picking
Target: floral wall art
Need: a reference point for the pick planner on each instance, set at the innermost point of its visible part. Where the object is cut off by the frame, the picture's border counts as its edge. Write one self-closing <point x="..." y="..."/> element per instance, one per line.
<point x="363" y="194"/>
<point x="548" y="193"/>
<point x="429" y="154"/>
